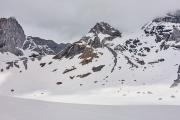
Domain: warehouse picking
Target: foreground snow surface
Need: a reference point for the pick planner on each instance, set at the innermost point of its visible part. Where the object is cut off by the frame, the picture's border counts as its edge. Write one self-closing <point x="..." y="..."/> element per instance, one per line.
<point x="23" y="109"/>
<point x="127" y="95"/>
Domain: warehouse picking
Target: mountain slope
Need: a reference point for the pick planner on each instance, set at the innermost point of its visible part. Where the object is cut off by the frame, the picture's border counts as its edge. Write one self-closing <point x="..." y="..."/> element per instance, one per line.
<point x="104" y="63"/>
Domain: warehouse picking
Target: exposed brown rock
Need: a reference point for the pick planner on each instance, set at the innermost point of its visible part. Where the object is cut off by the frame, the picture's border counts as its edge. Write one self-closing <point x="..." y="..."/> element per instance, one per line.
<point x="88" y="55"/>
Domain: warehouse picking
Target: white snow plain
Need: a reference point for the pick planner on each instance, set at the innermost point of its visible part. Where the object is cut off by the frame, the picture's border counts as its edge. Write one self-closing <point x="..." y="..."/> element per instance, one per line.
<point x="20" y="109"/>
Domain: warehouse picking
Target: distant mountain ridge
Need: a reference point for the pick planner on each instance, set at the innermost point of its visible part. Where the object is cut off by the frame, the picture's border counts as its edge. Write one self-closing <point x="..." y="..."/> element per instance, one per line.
<point x="14" y="40"/>
<point x="42" y="46"/>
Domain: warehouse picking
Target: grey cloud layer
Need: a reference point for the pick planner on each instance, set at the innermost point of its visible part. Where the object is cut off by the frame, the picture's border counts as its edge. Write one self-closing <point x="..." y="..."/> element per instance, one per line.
<point x="64" y="20"/>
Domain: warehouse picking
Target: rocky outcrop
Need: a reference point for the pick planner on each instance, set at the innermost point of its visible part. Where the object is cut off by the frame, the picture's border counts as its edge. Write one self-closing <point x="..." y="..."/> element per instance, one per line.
<point x="160" y="26"/>
<point x="96" y="43"/>
<point x="98" y="68"/>
<point x="69" y="70"/>
<point x="157" y="61"/>
<point x="166" y="30"/>
<point x="95" y="38"/>
<point x="84" y="75"/>
<point x="133" y="65"/>
<point x="12" y="36"/>
<point x="88" y="55"/>
<point x="70" y="51"/>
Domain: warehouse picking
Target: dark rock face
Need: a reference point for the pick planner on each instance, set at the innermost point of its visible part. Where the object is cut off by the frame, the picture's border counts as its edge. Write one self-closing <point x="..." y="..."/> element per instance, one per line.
<point x="12" y="36"/>
<point x="96" y="43"/>
<point x="43" y="46"/>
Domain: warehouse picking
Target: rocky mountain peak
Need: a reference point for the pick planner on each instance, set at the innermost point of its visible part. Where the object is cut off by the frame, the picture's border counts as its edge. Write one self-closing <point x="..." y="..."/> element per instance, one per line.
<point x="12" y="36"/>
<point x="105" y="28"/>
<point x="99" y="34"/>
<point x="96" y="38"/>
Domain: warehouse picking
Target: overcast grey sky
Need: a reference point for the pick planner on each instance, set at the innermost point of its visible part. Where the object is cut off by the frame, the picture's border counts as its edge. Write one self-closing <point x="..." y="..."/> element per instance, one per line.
<point x="64" y="20"/>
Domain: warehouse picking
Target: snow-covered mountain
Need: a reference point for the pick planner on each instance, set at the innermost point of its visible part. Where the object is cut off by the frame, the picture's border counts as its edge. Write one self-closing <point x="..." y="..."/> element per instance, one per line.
<point x="105" y="62"/>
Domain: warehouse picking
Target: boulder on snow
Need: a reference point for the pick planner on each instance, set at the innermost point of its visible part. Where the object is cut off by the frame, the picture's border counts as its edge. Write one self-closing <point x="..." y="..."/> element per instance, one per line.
<point x="98" y="68"/>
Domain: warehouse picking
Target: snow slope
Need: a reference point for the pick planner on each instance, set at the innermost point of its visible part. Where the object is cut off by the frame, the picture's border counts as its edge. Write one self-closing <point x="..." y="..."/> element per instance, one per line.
<point x="125" y="85"/>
